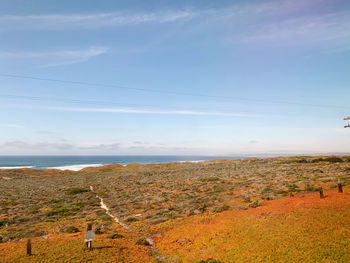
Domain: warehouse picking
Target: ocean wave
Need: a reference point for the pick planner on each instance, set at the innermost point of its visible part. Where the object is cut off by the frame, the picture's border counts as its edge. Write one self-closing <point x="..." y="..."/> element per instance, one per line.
<point x="75" y="167"/>
<point x="14" y="167"/>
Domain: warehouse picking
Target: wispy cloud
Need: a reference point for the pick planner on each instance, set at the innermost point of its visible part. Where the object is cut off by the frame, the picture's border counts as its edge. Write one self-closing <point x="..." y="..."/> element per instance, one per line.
<point x="10" y="125"/>
<point x="60" y="146"/>
<point x="313" y="28"/>
<point x="97" y="20"/>
<point x="274" y="20"/>
<point x="281" y="7"/>
<point x="156" y="112"/>
<point x="55" y="58"/>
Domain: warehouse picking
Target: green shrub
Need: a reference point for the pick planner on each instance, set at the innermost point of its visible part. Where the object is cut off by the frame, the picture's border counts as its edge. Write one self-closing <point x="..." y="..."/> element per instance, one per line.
<point x="131" y="219"/>
<point x="292" y="187"/>
<point x="221" y="208"/>
<point x="3" y="222"/>
<point x="210" y="179"/>
<point x="267" y="189"/>
<point x="33" y="210"/>
<point x="202" y="208"/>
<point x="332" y="159"/>
<point x="255" y="204"/>
<point x="209" y="260"/>
<point x="142" y="241"/>
<point x="311" y="188"/>
<point x="62" y="211"/>
<point x="70" y="229"/>
<point x="75" y="191"/>
<point x="115" y="236"/>
<point x="247" y="199"/>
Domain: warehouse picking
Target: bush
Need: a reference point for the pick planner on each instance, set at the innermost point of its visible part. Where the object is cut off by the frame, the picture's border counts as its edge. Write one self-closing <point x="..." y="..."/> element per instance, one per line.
<point x="98" y="231"/>
<point x="210" y="179"/>
<point x="202" y="208"/>
<point x="70" y="229"/>
<point x="3" y="222"/>
<point x="62" y="211"/>
<point x="292" y="187"/>
<point x="333" y="160"/>
<point x="209" y="260"/>
<point x="115" y="236"/>
<point x="158" y="220"/>
<point x="267" y="189"/>
<point x="247" y="199"/>
<point x="311" y="188"/>
<point x="328" y="159"/>
<point x="131" y="219"/>
<point x="221" y="208"/>
<point x="255" y="204"/>
<point x="142" y="241"/>
<point x="75" y="191"/>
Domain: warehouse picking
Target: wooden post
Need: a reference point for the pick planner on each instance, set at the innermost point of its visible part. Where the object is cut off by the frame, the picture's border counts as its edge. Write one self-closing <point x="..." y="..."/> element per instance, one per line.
<point x="340" y="188"/>
<point x="29" y="247"/>
<point x="321" y="193"/>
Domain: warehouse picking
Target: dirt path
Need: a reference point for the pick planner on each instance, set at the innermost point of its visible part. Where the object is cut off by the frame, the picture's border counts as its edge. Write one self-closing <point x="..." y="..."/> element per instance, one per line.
<point x="128" y="229"/>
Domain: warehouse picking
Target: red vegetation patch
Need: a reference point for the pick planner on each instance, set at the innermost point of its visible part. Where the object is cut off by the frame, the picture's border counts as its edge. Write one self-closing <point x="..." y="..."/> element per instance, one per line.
<point x="304" y="228"/>
<point x="71" y="248"/>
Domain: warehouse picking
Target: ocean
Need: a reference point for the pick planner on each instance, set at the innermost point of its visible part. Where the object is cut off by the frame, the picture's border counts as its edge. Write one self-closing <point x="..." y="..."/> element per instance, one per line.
<point x="76" y="163"/>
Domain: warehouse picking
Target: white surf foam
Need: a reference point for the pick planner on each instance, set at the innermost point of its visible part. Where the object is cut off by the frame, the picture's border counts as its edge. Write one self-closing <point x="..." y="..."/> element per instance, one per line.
<point x="75" y="167"/>
<point x="197" y="161"/>
<point x="14" y="167"/>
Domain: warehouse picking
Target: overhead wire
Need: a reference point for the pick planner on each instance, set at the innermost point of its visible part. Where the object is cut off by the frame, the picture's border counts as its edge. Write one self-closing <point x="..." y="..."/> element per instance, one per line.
<point x="90" y="84"/>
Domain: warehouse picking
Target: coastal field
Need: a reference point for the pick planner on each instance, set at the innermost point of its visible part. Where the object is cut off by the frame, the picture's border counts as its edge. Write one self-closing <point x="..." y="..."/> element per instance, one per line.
<point x="251" y="210"/>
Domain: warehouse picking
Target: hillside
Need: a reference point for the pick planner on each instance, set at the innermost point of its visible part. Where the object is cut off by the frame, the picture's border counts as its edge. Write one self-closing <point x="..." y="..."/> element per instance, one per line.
<point x="252" y="210"/>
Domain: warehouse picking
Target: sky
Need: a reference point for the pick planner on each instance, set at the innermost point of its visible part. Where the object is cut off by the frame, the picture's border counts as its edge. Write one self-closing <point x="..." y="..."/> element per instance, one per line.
<point x="174" y="77"/>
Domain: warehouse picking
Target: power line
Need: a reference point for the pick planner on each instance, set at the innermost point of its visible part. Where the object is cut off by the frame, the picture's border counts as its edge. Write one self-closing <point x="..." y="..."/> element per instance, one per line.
<point x="74" y="101"/>
<point x="170" y="92"/>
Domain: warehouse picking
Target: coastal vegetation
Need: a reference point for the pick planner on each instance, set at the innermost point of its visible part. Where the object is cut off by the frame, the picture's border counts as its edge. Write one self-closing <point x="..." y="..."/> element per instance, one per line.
<point x="250" y="210"/>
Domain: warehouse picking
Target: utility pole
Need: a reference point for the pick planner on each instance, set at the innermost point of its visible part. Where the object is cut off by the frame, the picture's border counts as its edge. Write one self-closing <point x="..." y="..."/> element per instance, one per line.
<point x="346" y="119"/>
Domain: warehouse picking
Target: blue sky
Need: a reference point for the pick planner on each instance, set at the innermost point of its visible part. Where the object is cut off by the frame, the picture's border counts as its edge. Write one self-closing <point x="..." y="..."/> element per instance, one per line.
<point x="264" y="77"/>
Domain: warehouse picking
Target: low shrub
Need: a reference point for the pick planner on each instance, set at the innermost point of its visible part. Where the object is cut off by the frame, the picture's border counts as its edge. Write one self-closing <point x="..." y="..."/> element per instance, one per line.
<point x="142" y="241"/>
<point x="131" y="219"/>
<point x="311" y="188"/>
<point x="221" y="208"/>
<point x="70" y="229"/>
<point x="115" y="236"/>
<point x="255" y="204"/>
<point x="157" y="220"/>
<point x="209" y="260"/>
<point x="3" y="222"/>
<point x="75" y="191"/>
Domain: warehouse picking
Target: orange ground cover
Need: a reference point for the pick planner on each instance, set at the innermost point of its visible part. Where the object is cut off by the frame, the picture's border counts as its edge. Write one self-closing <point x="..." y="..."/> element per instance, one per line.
<point x="70" y="248"/>
<point x="304" y="228"/>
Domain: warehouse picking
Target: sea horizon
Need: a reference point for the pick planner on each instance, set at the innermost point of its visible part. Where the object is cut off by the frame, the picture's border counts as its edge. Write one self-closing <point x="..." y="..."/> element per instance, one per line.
<point x="78" y="162"/>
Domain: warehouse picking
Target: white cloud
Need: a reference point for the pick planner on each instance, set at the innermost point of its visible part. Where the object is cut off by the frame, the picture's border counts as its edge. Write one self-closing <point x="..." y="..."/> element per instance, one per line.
<point x="55" y="58"/>
<point x="10" y="125"/>
<point x="307" y="28"/>
<point x="22" y="147"/>
<point x="97" y="20"/>
<point x="157" y="112"/>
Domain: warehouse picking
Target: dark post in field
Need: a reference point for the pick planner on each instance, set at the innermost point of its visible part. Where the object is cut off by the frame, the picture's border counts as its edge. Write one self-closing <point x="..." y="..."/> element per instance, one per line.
<point x="321" y="192"/>
<point x="29" y="247"/>
<point x="340" y="188"/>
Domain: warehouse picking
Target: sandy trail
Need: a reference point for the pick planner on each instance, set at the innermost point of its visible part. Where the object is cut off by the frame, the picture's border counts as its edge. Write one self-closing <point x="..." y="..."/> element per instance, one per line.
<point x="125" y="226"/>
